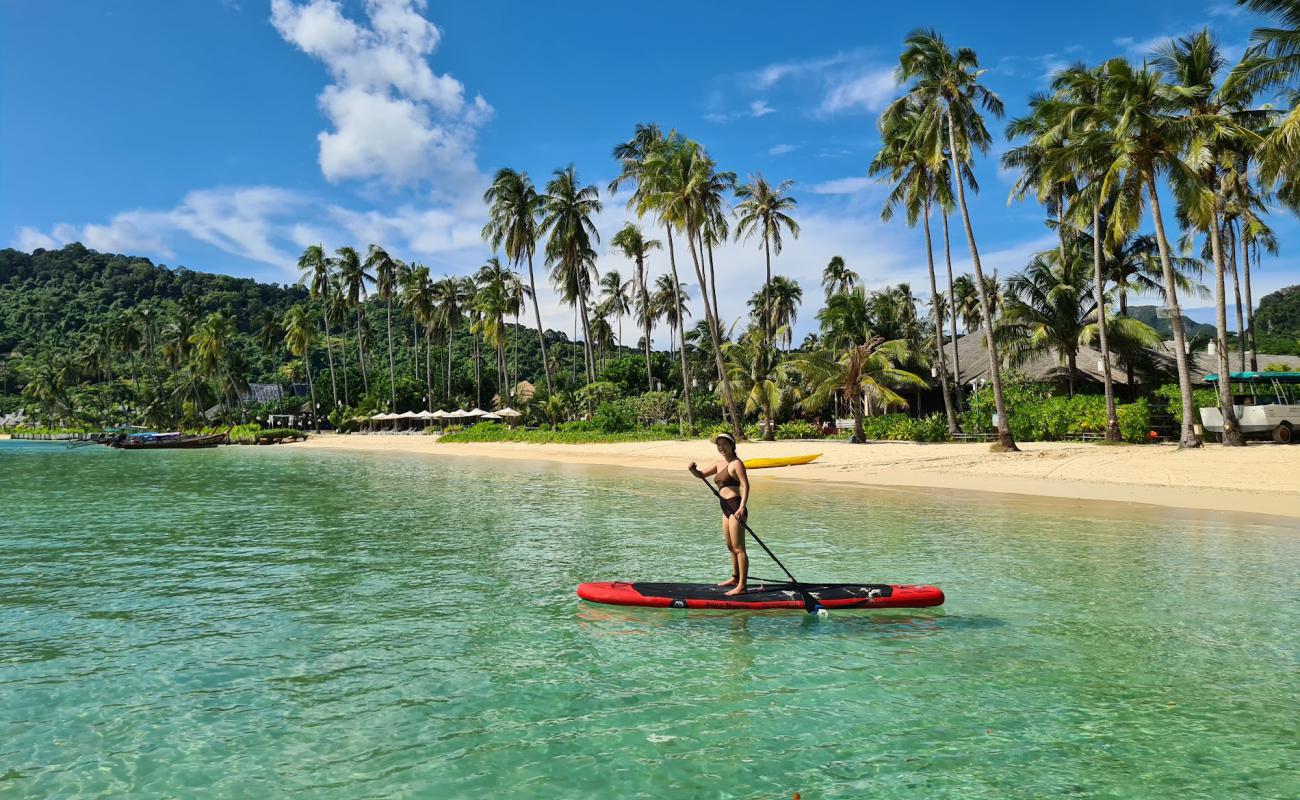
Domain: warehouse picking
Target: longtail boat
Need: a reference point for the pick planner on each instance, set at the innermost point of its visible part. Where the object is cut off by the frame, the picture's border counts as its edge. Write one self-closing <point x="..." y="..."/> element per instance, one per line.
<point x="787" y="461"/>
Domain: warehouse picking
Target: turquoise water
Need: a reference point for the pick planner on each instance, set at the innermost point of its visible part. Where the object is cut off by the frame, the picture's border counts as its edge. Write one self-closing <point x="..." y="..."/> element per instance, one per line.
<point x="259" y="622"/>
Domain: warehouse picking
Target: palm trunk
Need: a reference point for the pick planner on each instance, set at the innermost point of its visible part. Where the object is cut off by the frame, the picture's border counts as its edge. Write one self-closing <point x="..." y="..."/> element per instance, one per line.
<point x="541" y="336"/>
<point x="311" y="389"/>
<point x="361" y="346"/>
<point x="712" y="322"/>
<point x="1250" y="310"/>
<point x="428" y="373"/>
<point x="938" y="327"/>
<point x="392" y="372"/>
<point x="767" y="289"/>
<point x="478" y="371"/>
<point x="952" y="311"/>
<point x="1231" y="430"/>
<point x="588" y="356"/>
<point x="451" y="333"/>
<point x="1099" y="296"/>
<point x="1236" y="292"/>
<point x="681" y="353"/>
<point x="415" y="344"/>
<point x="1128" y="363"/>
<point x="855" y="408"/>
<point x="1188" y="436"/>
<point x="329" y="351"/>
<point x="713" y="288"/>
<point x="1005" y="441"/>
<point x="343" y="343"/>
<point x="645" y="310"/>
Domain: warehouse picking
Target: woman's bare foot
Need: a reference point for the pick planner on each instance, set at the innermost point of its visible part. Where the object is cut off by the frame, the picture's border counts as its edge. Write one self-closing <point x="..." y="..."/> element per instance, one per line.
<point x="729" y="581"/>
<point x="740" y="589"/>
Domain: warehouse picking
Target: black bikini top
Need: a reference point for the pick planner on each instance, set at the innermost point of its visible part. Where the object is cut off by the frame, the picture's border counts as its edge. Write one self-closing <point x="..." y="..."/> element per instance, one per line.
<point x="725" y="479"/>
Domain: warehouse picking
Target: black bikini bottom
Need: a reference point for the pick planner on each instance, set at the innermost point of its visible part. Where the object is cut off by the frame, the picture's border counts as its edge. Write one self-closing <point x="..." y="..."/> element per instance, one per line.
<point x="730" y="505"/>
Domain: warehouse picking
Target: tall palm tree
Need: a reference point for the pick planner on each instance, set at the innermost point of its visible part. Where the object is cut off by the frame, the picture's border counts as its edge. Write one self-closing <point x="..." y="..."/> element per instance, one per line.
<point x="1147" y="139"/>
<point x="567" y="211"/>
<point x="386" y="269"/>
<point x="913" y="171"/>
<point x="633" y="244"/>
<point x="686" y="190"/>
<point x="354" y="278"/>
<point x="837" y="277"/>
<point x="946" y="90"/>
<point x="514" y="208"/>
<point x="418" y="295"/>
<point x="317" y="273"/>
<point x="1192" y="65"/>
<point x="473" y="315"/>
<point x="493" y="303"/>
<point x="765" y="209"/>
<point x="635" y="159"/>
<point x="299" y="336"/>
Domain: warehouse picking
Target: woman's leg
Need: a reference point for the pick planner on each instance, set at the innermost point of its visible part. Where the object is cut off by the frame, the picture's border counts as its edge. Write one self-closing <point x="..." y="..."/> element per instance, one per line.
<point x="736" y="540"/>
<point x="726" y="537"/>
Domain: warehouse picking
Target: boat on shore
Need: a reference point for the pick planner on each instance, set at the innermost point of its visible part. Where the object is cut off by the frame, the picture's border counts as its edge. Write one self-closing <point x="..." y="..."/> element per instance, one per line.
<point x="169" y="441"/>
<point x="786" y="461"/>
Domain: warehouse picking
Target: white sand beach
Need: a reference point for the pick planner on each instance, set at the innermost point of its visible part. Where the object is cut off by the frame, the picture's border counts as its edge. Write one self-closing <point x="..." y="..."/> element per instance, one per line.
<point x="1262" y="478"/>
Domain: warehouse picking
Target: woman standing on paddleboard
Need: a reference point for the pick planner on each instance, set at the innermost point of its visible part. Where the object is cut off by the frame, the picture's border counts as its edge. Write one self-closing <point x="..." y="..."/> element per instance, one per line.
<point x="733" y="487"/>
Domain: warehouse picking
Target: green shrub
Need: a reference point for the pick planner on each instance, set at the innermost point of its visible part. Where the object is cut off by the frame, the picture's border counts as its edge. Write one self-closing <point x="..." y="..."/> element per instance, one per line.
<point x="495" y="432"/>
<point x="1134" y="421"/>
<point x="752" y="431"/>
<point x="655" y="408"/>
<point x="797" y="429"/>
<point x="616" y="416"/>
<point x="1201" y="398"/>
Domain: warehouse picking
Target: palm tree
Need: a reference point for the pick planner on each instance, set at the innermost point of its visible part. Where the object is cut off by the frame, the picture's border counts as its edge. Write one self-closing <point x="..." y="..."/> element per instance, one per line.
<point x="913" y="171"/>
<point x="212" y="341"/>
<point x="1147" y="139"/>
<point x="686" y="189"/>
<point x="765" y="210"/>
<point x="354" y="278"/>
<point x="567" y="211"/>
<point x="615" y="298"/>
<point x="853" y="362"/>
<point x="753" y="371"/>
<point x="1051" y="306"/>
<point x="419" y="296"/>
<point x="514" y="208"/>
<point x="386" y="269"/>
<point x="671" y="305"/>
<point x="631" y="242"/>
<point x="783" y="306"/>
<point x="1272" y="62"/>
<point x="494" y="303"/>
<point x="946" y="92"/>
<point x="837" y="277"/>
<point x="1192" y="65"/>
<point x="299" y="335"/>
<point x="317" y="272"/>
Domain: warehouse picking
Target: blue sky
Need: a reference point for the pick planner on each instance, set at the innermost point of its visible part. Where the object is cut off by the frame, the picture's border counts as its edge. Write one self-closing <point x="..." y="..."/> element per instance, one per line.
<point x="226" y="135"/>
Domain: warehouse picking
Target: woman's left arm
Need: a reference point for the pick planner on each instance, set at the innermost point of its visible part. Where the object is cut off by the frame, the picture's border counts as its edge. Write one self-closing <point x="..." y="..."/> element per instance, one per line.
<point x="743" y="476"/>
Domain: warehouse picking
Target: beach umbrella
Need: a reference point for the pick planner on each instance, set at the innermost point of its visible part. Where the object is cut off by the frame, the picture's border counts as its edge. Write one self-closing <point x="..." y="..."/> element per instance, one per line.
<point x="459" y="413"/>
<point x="475" y="412"/>
<point x="380" y="415"/>
<point x="490" y="415"/>
<point x="406" y="415"/>
<point x="509" y="412"/>
<point x="439" y="414"/>
<point x="426" y="414"/>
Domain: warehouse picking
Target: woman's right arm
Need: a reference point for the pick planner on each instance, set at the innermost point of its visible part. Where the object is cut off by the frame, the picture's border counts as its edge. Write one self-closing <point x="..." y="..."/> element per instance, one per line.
<point x="702" y="473"/>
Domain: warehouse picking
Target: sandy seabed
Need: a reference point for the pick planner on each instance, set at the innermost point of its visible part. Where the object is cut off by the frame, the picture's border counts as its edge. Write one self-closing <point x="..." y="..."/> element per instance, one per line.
<point x="1262" y="478"/>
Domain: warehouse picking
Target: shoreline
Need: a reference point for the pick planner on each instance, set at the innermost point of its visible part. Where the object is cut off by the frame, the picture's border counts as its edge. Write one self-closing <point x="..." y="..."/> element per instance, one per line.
<point x="1262" y="479"/>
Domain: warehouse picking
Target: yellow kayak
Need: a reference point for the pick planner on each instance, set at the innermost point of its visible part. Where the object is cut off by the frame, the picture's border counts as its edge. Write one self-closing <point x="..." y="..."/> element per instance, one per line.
<point x="763" y="463"/>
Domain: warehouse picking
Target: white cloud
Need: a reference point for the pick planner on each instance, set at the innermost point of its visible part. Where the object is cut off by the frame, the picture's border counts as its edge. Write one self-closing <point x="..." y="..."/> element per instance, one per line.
<point x="1224" y="10"/>
<point x="760" y="108"/>
<point x="868" y="91"/>
<point x="843" y="185"/>
<point x="782" y="149"/>
<point x="393" y="118"/>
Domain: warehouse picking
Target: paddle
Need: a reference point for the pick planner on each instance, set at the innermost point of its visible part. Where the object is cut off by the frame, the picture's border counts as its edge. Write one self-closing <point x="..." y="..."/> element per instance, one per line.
<point x="810" y="603"/>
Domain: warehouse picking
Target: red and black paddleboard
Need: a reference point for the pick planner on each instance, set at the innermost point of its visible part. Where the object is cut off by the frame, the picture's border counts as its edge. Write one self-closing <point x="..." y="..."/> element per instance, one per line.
<point x="759" y="596"/>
